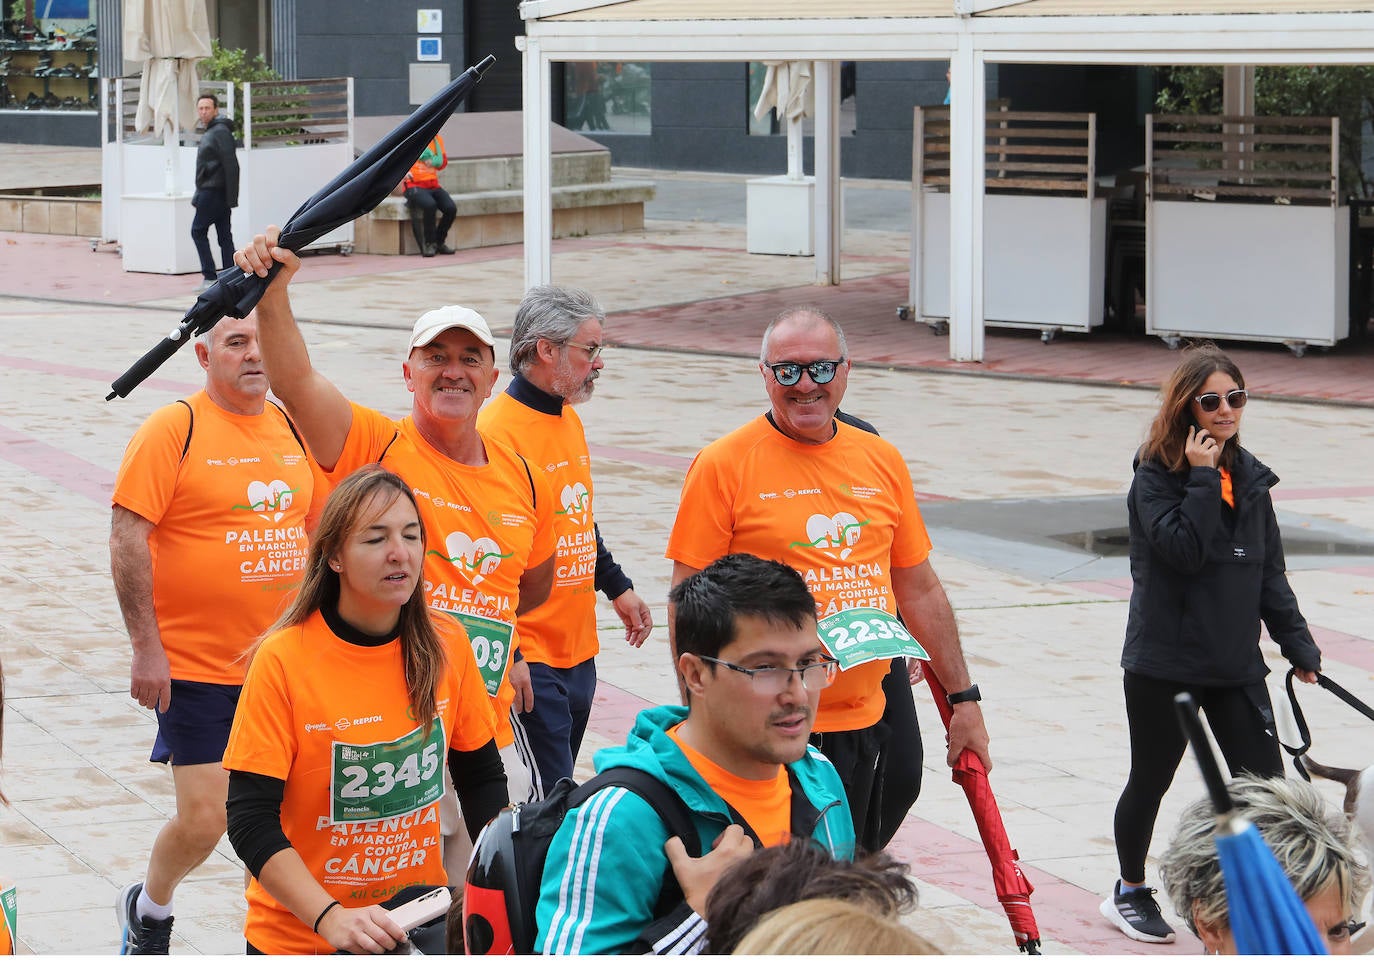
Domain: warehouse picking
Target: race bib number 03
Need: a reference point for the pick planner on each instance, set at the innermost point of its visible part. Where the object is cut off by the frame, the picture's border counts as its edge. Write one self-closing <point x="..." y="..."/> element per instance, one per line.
<point x="387" y="779"/>
<point x="862" y="634"/>
<point x="490" y="645"/>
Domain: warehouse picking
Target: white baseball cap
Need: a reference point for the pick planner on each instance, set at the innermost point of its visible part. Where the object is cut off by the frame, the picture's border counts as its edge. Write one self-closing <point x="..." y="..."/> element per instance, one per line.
<point x="432" y="323"/>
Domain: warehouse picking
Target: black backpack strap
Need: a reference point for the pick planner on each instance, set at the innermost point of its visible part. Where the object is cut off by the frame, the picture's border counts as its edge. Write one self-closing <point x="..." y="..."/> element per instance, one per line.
<point x="394" y="435"/>
<point x="672" y="927"/>
<point x="186" y="444"/>
<point x="666" y="802"/>
<point x="294" y="433"/>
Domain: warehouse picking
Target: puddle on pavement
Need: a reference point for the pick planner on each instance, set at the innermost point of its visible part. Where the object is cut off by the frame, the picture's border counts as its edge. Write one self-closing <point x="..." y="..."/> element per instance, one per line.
<point x="1116" y="542"/>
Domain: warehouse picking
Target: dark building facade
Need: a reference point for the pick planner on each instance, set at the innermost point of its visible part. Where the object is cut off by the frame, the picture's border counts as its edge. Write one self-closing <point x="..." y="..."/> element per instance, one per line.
<point x="669" y="115"/>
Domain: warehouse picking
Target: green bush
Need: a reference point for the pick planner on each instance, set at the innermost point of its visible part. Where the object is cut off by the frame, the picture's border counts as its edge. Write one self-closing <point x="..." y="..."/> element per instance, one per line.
<point x="1345" y="92"/>
<point x="234" y="65"/>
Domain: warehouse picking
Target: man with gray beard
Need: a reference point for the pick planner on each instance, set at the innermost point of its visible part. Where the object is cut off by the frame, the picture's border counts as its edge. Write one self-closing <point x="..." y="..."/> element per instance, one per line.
<point x="555" y="359"/>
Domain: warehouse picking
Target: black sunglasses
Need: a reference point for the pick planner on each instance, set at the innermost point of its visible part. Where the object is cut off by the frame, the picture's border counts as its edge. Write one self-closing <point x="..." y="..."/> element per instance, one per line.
<point x="822" y="371"/>
<point x="1211" y="402"/>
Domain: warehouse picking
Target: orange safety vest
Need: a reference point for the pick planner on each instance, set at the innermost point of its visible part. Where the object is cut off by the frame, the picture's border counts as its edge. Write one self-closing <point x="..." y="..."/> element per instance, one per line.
<point x="424" y="175"/>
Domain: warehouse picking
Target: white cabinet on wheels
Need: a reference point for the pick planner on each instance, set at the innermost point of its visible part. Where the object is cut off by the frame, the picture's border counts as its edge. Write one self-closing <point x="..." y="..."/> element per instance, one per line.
<point x="1246" y="239"/>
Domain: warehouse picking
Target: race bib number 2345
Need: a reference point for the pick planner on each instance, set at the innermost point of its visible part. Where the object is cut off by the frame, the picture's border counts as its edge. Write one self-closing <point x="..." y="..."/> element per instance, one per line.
<point x="387" y="779"/>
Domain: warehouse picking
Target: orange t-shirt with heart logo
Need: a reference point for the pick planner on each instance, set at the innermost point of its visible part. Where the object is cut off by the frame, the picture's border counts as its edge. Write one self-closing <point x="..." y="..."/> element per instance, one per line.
<point x="484" y="526"/>
<point x="229" y="540"/>
<point x="560" y="632"/>
<point x="842" y="514"/>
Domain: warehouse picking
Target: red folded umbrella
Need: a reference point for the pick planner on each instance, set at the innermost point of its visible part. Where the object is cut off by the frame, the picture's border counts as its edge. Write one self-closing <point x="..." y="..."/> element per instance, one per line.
<point x="1011" y="884"/>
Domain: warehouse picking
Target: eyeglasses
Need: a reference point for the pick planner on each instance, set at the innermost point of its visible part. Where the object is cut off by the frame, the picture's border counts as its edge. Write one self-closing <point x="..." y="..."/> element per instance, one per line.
<point x="771" y="680"/>
<point x="822" y="371"/>
<point x="591" y="351"/>
<point x="1211" y="402"/>
<point x="1344" y="930"/>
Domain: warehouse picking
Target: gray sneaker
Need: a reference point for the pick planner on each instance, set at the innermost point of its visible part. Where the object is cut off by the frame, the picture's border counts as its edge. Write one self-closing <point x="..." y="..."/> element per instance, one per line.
<point x="140" y="936"/>
<point x="1137" y="914"/>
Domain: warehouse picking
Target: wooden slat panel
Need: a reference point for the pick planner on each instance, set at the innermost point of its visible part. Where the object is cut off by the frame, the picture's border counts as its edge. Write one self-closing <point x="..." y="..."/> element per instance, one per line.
<point x="1224" y="138"/>
<point x="1012" y="183"/>
<point x="1234" y="155"/>
<point x="1252" y="192"/>
<point x="1006" y="132"/>
<point x="1211" y="175"/>
<point x="1256" y="121"/>
<point x="1079" y="168"/>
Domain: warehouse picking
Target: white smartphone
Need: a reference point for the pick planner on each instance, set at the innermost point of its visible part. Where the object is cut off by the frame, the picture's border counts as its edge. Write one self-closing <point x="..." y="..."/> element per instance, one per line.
<point x="424" y="909"/>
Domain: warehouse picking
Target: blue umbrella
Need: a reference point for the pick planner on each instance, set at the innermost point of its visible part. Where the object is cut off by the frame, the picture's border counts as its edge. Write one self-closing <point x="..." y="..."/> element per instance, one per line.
<point x="1267" y="917"/>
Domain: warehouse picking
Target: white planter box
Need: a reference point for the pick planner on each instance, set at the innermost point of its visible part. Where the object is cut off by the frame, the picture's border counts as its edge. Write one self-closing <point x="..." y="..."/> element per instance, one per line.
<point x="780" y="212"/>
<point x="1248" y="271"/>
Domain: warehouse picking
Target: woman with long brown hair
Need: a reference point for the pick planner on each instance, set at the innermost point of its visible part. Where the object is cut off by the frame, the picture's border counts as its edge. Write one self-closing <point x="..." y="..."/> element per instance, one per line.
<point x="353" y="701"/>
<point x="1206" y="567"/>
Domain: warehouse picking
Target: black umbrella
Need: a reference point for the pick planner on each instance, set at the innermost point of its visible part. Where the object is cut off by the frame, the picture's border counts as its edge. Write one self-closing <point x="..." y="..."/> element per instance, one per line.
<point x="353" y="193"/>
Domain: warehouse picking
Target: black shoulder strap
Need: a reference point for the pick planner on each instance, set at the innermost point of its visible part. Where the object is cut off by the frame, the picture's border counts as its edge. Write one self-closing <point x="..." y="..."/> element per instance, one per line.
<point x="666" y="802"/>
<point x="394" y="435"/>
<point x="186" y="444"/>
<point x="294" y="433"/>
<point x="534" y="500"/>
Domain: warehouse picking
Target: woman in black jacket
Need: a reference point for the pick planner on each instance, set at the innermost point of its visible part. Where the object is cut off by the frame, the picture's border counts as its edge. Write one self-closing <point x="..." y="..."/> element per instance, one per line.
<point x="1206" y="567"/>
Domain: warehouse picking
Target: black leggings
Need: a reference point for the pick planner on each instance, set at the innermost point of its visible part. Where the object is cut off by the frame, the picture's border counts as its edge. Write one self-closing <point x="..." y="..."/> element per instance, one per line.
<point x="1241" y="719"/>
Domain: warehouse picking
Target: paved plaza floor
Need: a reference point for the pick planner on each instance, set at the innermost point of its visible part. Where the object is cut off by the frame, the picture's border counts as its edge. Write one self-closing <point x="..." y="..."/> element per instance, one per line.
<point x="1003" y="462"/>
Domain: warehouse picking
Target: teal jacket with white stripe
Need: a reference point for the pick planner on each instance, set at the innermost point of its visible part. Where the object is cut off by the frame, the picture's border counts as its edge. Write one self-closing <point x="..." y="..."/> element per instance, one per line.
<point x="606" y="866"/>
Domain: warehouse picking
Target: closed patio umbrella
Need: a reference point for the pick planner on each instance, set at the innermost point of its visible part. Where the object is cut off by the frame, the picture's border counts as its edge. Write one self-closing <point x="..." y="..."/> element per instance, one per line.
<point x="168" y="37"/>
<point x="787" y="88"/>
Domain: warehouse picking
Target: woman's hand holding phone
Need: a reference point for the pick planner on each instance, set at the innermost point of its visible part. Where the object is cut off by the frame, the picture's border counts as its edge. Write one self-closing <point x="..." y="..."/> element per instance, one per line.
<point x="1201" y="450"/>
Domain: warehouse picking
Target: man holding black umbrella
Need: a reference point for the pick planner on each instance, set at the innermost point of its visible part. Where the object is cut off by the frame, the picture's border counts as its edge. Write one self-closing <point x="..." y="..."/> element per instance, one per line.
<point x="488" y="513"/>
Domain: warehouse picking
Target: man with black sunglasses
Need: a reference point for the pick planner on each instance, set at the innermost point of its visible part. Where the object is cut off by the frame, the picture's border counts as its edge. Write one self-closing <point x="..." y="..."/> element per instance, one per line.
<point x="835" y="502"/>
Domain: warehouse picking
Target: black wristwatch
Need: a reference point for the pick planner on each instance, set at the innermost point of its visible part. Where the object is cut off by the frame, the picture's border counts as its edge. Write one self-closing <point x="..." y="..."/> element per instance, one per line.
<point x="971" y="693"/>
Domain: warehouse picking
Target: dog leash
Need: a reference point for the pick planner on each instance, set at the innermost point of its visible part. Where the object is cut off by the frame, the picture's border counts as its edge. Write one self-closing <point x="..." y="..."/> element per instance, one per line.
<point x="1297" y="751"/>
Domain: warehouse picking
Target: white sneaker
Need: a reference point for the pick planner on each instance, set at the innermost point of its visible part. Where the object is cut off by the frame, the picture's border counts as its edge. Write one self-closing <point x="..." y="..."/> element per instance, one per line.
<point x="1137" y="914"/>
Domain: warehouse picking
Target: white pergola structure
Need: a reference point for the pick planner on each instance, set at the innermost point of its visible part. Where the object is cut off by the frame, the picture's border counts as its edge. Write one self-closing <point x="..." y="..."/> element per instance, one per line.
<point x="969" y="33"/>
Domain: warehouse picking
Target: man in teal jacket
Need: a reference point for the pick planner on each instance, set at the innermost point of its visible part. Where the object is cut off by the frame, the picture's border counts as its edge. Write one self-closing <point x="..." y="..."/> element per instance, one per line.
<point x="748" y="654"/>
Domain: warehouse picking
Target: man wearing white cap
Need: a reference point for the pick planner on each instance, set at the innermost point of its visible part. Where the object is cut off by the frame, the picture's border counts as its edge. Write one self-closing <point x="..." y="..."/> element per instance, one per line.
<point x="488" y="514"/>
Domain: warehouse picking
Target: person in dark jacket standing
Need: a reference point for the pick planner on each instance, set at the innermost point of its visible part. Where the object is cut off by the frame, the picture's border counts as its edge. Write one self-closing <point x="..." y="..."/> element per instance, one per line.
<point x="1206" y="567"/>
<point x="217" y="188"/>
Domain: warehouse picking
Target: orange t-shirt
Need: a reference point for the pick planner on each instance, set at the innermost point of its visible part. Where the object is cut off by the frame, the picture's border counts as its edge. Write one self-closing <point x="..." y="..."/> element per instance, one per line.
<point x="229" y="540"/>
<point x="363" y="779"/>
<point x="484" y="527"/>
<point x="1228" y="491"/>
<point x="765" y="804"/>
<point x="561" y="632"/>
<point x="9" y="921"/>
<point x="842" y="514"/>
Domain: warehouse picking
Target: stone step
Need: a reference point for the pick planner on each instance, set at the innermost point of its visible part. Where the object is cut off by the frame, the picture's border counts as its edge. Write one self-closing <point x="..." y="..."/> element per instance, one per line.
<point x="508" y="172"/>
<point x="493" y="217"/>
<point x="513" y="201"/>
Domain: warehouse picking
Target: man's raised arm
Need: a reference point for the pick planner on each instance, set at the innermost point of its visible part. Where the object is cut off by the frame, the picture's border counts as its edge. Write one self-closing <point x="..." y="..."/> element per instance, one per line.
<point x="320" y="412"/>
